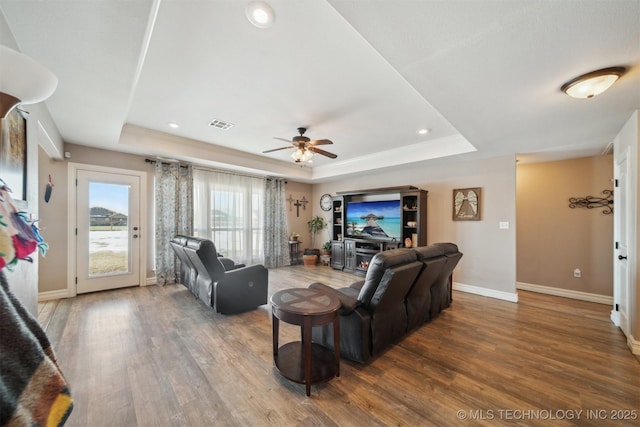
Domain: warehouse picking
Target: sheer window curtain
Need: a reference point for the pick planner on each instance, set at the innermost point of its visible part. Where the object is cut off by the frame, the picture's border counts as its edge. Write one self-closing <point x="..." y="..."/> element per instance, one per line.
<point x="173" y="214"/>
<point x="229" y="209"/>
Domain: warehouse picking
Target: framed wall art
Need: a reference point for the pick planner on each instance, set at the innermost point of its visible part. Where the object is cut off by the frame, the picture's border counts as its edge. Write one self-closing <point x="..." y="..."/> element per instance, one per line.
<point x="466" y="204"/>
<point x="13" y="153"/>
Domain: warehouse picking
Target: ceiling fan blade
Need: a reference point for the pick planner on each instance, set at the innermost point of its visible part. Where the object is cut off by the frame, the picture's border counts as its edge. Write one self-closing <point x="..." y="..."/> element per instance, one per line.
<point x="324" y="153"/>
<point x="282" y="139"/>
<point x="320" y="142"/>
<point x="276" y="149"/>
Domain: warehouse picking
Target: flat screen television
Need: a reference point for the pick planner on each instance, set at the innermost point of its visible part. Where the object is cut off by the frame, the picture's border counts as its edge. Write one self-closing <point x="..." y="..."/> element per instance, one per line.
<point x="378" y="219"/>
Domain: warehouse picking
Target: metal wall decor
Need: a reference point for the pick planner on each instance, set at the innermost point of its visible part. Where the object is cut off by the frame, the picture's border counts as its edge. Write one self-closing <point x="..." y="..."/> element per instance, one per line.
<point x="302" y="202"/>
<point x="592" y="202"/>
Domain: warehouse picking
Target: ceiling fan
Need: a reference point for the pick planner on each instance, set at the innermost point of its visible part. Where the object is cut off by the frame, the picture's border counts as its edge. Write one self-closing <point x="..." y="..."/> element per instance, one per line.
<point x="305" y="148"/>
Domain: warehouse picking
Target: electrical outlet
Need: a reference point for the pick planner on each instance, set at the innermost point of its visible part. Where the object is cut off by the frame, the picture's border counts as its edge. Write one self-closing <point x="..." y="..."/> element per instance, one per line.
<point x="577" y="273"/>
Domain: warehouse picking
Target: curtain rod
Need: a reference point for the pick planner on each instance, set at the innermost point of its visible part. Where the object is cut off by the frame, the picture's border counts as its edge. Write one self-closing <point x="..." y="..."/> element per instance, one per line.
<point x="164" y="163"/>
<point x="202" y="168"/>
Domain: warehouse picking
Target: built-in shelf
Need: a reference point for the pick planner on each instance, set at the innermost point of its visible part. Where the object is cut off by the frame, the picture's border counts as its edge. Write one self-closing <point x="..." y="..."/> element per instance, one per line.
<point x="353" y="253"/>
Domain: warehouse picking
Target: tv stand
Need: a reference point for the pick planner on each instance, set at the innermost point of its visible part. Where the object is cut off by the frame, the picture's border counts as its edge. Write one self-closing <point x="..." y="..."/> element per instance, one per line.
<point x="362" y="251"/>
<point x="352" y="251"/>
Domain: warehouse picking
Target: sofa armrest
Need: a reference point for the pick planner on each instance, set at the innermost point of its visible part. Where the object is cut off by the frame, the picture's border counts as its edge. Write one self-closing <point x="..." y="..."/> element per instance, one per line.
<point x="229" y="264"/>
<point x="255" y="272"/>
<point x="357" y="285"/>
<point x="241" y="289"/>
<point x="348" y="303"/>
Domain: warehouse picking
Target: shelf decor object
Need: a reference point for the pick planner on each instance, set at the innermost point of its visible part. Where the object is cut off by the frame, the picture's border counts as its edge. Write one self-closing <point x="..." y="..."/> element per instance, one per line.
<point x="466" y="204"/>
<point x="592" y="202"/>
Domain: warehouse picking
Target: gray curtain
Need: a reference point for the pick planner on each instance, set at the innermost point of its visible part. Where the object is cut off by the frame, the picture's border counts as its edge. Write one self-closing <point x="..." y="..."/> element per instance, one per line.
<point x="174" y="214"/>
<point x="276" y="246"/>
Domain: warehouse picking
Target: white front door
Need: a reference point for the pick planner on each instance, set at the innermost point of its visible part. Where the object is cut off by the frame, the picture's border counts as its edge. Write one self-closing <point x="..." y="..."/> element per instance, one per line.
<point x="108" y="230"/>
<point x="620" y="314"/>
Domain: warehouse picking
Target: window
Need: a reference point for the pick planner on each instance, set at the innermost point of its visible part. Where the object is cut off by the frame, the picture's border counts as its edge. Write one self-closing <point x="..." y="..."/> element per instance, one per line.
<point x="229" y="210"/>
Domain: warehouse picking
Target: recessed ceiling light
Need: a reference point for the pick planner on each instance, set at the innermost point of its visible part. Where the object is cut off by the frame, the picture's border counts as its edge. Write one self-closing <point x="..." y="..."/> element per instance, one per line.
<point x="173" y="125"/>
<point x="593" y="83"/>
<point x="423" y="131"/>
<point x="260" y="14"/>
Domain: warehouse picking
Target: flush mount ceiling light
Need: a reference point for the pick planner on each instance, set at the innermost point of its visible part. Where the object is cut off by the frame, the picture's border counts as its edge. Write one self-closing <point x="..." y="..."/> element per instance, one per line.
<point x="260" y="14"/>
<point x="23" y="80"/>
<point x="593" y="83"/>
<point x="423" y="131"/>
<point x="173" y="125"/>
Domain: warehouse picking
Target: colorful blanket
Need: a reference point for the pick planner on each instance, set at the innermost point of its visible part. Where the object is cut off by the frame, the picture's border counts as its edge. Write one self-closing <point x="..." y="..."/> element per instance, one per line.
<point x="33" y="391"/>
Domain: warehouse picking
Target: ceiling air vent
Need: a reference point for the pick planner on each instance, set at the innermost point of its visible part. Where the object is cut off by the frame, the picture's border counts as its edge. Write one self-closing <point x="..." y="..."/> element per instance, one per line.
<point x="220" y="124"/>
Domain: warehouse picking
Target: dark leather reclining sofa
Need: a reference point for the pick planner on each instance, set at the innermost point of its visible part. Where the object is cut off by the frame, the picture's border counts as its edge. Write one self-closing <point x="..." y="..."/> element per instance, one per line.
<point x="219" y="282"/>
<point x="403" y="289"/>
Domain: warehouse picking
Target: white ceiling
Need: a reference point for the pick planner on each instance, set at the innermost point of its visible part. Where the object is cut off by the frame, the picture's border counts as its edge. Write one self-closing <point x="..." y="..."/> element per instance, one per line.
<point x="482" y="75"/>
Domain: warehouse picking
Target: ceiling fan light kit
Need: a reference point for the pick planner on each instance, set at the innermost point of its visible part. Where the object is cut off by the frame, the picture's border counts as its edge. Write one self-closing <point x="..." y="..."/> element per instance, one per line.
<point x="593" y="83"/>
<point x="302" y="155"/>
<point x="305" y="147"/>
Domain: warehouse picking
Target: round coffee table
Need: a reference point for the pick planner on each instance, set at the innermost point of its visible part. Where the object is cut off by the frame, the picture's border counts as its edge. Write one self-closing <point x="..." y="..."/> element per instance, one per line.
<point x="303" y="361"/>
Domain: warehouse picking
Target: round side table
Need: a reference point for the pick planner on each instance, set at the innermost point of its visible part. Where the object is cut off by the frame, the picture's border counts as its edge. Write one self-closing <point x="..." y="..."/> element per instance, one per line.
<point x="303" y="361"/>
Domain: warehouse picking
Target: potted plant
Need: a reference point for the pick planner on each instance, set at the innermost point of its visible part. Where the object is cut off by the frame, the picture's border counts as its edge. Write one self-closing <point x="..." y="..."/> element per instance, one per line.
<point x="310" y="256"/>
<point x="294" y="236"/>
<point x="327" y="248"/>
<point x="316" y="224"/>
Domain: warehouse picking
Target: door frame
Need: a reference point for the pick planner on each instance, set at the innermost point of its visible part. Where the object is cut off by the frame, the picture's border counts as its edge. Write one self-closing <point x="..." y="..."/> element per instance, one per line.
<point x="620" y="157"/>
<point x="628" y="139"/>
<point x="72" y="220"/>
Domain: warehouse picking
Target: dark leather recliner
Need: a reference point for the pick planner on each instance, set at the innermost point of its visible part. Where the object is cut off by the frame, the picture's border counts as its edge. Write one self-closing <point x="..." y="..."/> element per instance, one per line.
<point x="187" y="273"/>
<point x="373" y="314"/>
<point x="419" y="298"/>
<point x="228" y="291"/>
<point x="442" y="288"/>
<point x="403" y="289"/>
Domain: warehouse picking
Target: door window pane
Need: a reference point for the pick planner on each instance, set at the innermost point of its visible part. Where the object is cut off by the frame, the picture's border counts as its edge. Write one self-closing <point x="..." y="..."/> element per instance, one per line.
<point x="109" y="229"/>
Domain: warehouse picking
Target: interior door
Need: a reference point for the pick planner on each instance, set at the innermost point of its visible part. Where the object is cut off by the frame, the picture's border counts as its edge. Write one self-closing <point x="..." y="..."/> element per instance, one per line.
<point x="108" y="230"/>
<point x="620" y="262"/>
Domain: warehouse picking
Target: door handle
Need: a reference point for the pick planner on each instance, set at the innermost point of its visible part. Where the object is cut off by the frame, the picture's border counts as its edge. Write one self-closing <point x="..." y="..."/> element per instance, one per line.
<point x="620" y="257"/>
<point x="135" y="236"/>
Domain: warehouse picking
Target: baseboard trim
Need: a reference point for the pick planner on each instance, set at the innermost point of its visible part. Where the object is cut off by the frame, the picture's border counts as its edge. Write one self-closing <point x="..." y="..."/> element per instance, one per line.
<point x="615" y="318"/>
<point x="566" y="293"/>
<point x="49" y="295"/>
<point x="485" y="292"/>
<point x="64" y="293"/>
<point x="633" y="344"/>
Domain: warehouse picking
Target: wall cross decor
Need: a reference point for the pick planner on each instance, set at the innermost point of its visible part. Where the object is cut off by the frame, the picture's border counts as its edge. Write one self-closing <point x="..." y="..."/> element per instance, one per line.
<point x="302" y="202"/>
<point x="592" y="202"/>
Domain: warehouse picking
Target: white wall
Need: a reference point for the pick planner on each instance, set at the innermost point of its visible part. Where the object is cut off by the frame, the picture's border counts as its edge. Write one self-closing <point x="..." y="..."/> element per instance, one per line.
<point x="488" y="266"/>
<point x="23" y="279"/>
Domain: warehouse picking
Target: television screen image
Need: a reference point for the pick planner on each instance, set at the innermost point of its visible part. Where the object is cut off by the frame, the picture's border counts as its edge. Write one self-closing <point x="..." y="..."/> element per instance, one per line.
<point x="374" y="219"/>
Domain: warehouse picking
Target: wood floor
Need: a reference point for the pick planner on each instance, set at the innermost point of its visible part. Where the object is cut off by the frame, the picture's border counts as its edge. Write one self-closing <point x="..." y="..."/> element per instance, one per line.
<point x="155" y="356"/>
